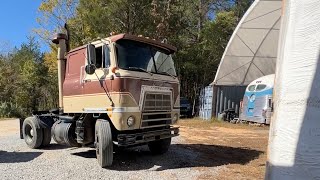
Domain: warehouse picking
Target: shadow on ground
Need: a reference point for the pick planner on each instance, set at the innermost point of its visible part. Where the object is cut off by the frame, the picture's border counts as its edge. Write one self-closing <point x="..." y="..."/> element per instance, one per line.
<point x="86" y="154"/>
<point x="179" y="156"/>
<point x="55" y="147"/>
<point x="17" y="157"/>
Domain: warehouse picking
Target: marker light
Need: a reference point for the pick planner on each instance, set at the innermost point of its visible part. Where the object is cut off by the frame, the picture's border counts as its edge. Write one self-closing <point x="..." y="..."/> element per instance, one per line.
<point x="113" y="69"/>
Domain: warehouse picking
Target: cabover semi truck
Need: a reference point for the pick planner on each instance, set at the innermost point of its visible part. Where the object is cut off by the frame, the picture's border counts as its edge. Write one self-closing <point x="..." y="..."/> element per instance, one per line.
<point x="118" y="91"/>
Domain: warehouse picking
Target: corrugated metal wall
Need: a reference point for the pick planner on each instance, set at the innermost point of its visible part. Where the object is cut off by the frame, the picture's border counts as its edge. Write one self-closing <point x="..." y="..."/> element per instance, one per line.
<point x="216" y="99"/>
<point x="205" y="105"/>
<point x="226" y="97"/>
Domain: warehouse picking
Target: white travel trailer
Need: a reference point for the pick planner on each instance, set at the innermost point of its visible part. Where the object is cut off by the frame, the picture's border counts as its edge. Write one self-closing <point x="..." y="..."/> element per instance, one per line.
<point x="257" y="100"/>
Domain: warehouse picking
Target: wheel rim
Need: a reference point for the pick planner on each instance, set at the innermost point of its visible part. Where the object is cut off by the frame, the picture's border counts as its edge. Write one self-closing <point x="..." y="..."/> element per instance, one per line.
<point x="29" y="133"/>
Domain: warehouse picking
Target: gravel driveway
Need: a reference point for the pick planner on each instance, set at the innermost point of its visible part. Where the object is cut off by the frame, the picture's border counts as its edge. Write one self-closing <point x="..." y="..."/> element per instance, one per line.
<point x="60" y="162"/>
<point x="188" y="158"/>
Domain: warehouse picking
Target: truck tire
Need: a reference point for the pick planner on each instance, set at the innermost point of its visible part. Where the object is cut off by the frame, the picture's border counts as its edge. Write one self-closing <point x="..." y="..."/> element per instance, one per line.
<point x="46" y="137"/>
<point x="104" y="143"/>
<point x="160" y="146"/>
<point x="32" y="132"/>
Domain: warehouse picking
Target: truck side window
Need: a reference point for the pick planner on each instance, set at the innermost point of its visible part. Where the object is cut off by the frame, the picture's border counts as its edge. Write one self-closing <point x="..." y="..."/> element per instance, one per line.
<point x="99" y="57"/>
<point x="106" y="55"/>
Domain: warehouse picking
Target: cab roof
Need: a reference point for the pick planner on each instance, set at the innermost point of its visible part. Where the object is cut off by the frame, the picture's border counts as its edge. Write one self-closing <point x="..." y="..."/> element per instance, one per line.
<point x="171" y="49"/>
<point x="159" y="44"/>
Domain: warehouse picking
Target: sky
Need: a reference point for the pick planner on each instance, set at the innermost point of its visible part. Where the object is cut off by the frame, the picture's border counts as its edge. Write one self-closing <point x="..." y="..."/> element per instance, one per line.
<point x="17" y="19"/>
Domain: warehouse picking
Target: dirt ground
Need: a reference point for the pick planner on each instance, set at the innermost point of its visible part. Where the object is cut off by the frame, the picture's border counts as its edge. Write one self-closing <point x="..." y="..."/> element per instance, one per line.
<point x="241" y="148"/>
<point x="206" y="150"/>
<point x="8" y="127"/>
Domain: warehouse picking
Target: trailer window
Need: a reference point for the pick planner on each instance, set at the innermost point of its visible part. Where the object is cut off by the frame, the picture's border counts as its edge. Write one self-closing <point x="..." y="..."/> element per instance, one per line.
<point x="252" y="87"/>
<point x="261" y="87"/>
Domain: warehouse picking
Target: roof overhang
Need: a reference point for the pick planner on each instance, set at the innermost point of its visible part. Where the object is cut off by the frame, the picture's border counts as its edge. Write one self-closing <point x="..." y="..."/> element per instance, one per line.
<point x="252" y="48"/>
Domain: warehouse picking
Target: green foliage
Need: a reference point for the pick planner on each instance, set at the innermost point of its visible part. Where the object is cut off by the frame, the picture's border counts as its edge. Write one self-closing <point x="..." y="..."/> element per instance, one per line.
<point x="199" y="28"/>
<point x="8" y="109"/>
<point x="25" y="81"/>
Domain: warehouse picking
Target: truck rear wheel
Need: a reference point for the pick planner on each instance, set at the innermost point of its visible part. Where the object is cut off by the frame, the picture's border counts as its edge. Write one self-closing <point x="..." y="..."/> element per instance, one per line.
<point x="104" y="143"/>
<point x="32" y="132"/>
<point x="160" y="146"/>
<point x="46" y="137"/>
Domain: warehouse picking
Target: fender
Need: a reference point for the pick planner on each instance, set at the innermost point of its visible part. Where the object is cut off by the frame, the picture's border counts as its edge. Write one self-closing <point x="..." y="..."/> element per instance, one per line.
<point x="43" y="122"/>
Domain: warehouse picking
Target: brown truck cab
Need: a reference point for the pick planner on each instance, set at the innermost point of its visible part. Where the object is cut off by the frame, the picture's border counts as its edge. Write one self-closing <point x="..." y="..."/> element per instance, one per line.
<point x="119" y="91"/>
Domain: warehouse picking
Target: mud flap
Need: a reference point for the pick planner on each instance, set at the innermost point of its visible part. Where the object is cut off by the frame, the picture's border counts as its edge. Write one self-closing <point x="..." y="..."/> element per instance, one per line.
<point x="21" y="123"/>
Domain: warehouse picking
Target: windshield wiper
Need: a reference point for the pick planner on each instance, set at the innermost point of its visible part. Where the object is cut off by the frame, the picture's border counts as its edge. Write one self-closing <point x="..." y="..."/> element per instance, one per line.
<point x="140" y="69"/>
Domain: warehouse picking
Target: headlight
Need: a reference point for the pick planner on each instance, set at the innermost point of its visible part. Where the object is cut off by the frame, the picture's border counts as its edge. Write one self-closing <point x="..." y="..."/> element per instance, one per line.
<point x="175" y="118"/>
<point x="130" y="121"/>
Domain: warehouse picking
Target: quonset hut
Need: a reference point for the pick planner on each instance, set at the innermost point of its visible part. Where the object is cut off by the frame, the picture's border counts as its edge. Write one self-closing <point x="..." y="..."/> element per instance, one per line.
<point x="251" y="53"/>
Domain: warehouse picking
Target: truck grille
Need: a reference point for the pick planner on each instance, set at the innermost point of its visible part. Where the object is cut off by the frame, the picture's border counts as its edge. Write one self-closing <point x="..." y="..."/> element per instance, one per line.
<point x="156" y="110"/>
<point x="157" y="102"/>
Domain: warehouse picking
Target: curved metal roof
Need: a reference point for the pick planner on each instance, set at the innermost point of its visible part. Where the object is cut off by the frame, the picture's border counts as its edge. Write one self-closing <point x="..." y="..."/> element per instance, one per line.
<point x="252" y="49"/>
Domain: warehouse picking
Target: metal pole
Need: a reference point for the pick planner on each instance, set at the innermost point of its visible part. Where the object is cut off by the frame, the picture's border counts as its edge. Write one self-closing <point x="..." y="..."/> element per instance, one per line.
<point x="237" y="108"/>
<point x="217" y="104"/>
<point x="221" y="101"/>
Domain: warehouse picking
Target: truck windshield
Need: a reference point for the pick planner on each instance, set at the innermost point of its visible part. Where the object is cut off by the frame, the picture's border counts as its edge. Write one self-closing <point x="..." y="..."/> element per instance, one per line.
<point x="138" y="56"/>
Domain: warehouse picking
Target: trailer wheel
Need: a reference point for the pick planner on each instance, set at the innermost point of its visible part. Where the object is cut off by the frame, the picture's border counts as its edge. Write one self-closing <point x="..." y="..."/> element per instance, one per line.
<point x="103" y="142"/>
<point x="32" y="132"/>
<point x="160" y="146"/>
<point x="46" y="137"/>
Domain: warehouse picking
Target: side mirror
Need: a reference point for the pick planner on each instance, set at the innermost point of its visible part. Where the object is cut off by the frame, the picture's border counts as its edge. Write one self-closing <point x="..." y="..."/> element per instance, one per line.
<point x="90" y="69"/>
<point x="91" y="54"/>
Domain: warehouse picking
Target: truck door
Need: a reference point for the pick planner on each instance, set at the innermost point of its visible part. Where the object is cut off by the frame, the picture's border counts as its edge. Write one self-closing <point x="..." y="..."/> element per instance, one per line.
<point x="72" y="85"/>
<point x="96" y="86"/>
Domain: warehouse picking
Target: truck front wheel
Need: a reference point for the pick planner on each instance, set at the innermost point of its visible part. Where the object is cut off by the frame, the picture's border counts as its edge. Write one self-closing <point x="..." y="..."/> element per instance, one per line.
<point x="160" y="146"/>
<point x="104" y="143"/>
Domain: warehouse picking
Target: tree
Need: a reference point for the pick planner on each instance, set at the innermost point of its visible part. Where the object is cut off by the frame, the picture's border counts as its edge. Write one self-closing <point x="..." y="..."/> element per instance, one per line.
<point x="25" y="82"/>
<point x="53" y="15"/>
<point x="199" y="28"/>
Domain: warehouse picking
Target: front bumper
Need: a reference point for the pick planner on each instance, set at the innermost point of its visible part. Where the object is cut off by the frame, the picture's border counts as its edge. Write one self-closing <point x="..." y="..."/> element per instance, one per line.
<point x="141" y="138"/>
